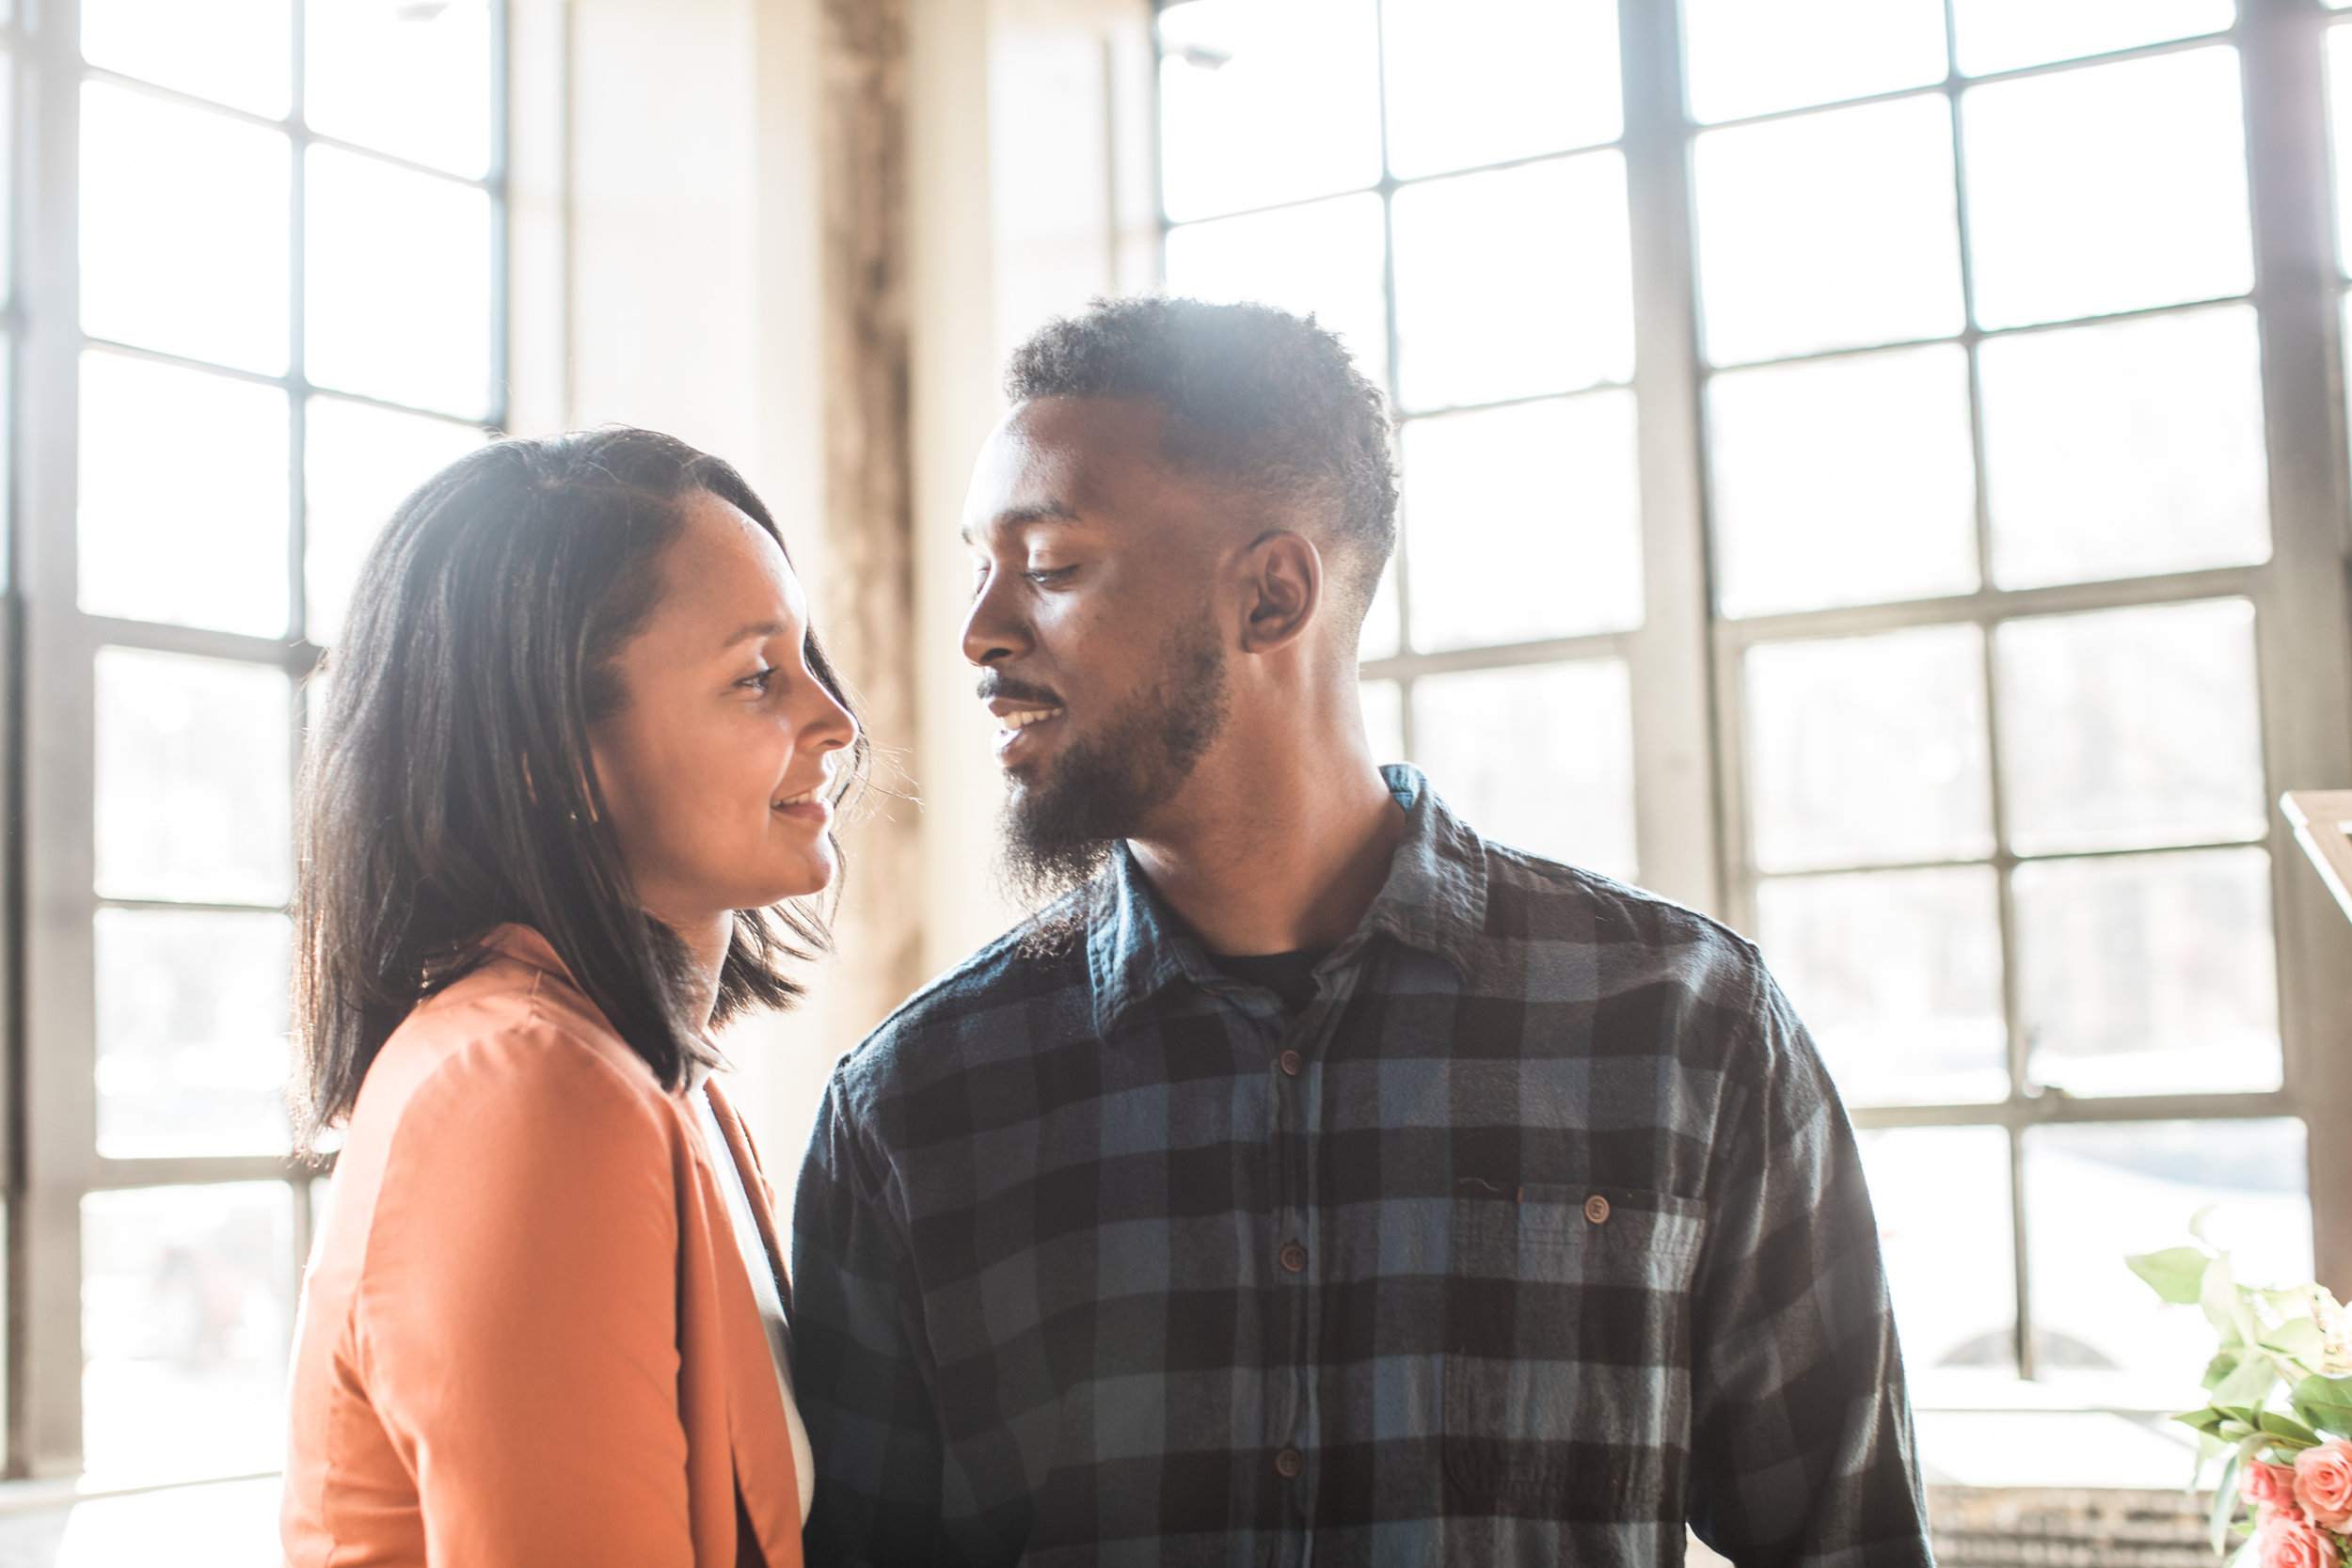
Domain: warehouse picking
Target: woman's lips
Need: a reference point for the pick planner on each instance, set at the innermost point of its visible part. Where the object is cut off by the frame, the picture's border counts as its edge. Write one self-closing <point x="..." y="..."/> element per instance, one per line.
<point x="807" y="807"/>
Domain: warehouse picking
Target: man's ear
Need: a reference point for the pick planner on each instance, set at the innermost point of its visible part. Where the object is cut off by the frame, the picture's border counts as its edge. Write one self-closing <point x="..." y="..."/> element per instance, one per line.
<point x="1282" y="590"/>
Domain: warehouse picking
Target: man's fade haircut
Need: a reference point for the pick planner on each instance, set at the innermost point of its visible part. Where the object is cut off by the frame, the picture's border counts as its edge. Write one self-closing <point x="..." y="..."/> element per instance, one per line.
<point x="1248" y="392"/>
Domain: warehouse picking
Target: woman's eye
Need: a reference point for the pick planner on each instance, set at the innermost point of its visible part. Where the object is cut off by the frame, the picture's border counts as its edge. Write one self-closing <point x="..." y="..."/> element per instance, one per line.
<point x="758" y="682"/>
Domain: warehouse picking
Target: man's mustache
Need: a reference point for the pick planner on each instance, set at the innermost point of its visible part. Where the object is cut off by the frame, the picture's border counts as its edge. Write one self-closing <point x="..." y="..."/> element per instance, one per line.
<point x="993" y="685"/>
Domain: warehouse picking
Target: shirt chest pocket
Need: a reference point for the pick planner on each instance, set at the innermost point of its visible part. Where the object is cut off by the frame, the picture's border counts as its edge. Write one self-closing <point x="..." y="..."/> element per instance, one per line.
<point x="1567" y="1346"/>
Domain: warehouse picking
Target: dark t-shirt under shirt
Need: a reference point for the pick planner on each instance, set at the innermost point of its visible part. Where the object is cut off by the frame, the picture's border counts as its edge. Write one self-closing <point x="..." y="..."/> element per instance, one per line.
<point x="1288" y="975"/>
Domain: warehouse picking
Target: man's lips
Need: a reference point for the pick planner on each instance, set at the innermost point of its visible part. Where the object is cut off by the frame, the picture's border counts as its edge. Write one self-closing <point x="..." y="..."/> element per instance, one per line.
<point x="1019" y="709"/>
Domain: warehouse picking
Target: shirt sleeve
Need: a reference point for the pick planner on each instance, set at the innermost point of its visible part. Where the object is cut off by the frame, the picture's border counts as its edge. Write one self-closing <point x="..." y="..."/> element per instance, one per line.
<point x="1800" y="1432"/>
<point x="860" y="1365"/>
<point x="517" y="1320"/>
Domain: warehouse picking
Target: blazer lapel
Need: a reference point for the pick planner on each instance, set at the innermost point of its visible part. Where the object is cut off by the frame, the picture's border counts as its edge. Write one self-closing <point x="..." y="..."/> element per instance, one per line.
<point x="771" y="1496"/>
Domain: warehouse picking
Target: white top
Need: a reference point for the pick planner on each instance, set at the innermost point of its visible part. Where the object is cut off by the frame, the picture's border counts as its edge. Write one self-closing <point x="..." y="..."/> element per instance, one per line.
<point x="764" y="1289"/>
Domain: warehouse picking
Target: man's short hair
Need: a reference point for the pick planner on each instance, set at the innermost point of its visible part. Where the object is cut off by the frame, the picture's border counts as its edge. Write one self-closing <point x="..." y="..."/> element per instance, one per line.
<point x="1247" y="391"/>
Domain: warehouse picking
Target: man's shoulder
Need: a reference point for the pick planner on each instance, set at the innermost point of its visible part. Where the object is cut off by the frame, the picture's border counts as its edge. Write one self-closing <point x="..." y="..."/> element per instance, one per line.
<point x="1547" y="915"/>
<point x="995" y="1003"/>
<point x="1530" y="897"/>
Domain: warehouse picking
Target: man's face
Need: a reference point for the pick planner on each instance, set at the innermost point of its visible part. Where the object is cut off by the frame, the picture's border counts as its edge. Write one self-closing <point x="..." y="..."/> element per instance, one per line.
<point x="1094" y="625"/>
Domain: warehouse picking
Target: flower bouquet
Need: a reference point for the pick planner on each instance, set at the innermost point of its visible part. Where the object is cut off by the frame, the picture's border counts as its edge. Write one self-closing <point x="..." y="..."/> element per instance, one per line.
<point x="2281" y="1408"/>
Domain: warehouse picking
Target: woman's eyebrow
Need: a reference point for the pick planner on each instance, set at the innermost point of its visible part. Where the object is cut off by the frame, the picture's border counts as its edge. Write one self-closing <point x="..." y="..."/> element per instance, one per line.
<point x="758" y="631"/>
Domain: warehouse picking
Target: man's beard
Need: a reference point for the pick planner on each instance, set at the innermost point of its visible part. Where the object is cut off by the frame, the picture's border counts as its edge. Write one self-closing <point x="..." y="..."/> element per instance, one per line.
<point x="1059" y="832"/>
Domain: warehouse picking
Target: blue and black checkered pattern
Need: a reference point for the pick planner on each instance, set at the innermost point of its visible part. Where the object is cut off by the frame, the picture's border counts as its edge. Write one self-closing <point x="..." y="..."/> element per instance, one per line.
<point x="1549" y="1236"/>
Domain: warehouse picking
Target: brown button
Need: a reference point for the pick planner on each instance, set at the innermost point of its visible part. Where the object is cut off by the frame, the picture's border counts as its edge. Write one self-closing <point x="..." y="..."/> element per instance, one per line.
<point x="1597" y="1209"/>
<point x="1295" y="1258"/>
<point x="1288" y="1463"/>
<point x="1291" y="1063"/>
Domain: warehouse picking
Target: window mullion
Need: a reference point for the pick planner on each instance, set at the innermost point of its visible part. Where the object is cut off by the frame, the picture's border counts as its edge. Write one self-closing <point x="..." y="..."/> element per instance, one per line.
<point x="2304" y="665"/>
<point x="56" y="1108"/>
<point x="1676" y="767"/>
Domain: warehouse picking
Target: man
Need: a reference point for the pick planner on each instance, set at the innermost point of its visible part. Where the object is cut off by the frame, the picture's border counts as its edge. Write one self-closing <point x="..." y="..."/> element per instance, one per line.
<point x="1314" y="1180"/>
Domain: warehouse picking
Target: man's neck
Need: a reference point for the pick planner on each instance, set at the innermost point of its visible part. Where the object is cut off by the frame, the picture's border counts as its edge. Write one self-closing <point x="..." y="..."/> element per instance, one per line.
<point x="1277" y="860"/>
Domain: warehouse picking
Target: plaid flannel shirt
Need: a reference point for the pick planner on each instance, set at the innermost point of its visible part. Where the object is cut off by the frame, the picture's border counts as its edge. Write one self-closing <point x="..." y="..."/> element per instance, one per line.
<point x="1539" y="1232"/>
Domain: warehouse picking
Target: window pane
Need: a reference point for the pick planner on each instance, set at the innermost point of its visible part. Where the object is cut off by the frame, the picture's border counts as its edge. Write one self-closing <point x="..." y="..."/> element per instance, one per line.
<point x="192" y="1021"/>
<point x="2110" y="188"/>
<point x="182" y="497"/>
<point x="2096" y="1193"/>
<point x="1264" y="104"/>
<point x="1543" y="74"/>
<point x="2125" y="448"/>
<point x="2003" y="35"/>
<point x="1846" y="480"/>
<point x="1384" y="720"/>
<point x="233" y="52"/>
<point x="1504" y="552"/>
<point x="1941" y="1195"/>
<point x="194" y="800"/>
<point x="1749" y="60"/>
<point x="229" y="1523"/>
<point x="1868" y="750"/>
<point x="1898" y="975"/>
<point x="399" y="284"/>
<point x="1327" y="256"/>
<point x="164" y="180"/>
<point x="2131" y="728"/>
<point x="1830" y="230"/>
<point x="7" y="171"/>
<point x="187" y="1311"/>
<point x="2340" y="124"/>
<point x="362" y="462"/>
<point x="409" y="79"/>
<point x="1513" y="284"/>
<point x="2148" y="974"/>
<point x="1540" y="759"/>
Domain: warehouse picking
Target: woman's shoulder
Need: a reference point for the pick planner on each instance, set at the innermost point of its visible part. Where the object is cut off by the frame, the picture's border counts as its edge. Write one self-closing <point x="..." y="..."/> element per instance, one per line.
<point x="514" y="1034"/>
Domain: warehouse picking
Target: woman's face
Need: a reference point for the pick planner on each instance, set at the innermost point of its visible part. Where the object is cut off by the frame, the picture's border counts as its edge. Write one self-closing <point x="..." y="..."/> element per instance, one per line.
<point x="716" y="770"/>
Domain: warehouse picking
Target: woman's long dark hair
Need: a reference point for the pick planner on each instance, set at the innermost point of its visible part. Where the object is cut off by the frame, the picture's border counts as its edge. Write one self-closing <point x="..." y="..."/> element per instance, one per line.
<point x="449" y="787"/>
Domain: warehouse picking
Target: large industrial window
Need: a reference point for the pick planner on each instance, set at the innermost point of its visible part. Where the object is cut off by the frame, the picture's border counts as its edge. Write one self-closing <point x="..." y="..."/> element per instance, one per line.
<point x="1838" y="493"/>
<point x="261" y="296"/>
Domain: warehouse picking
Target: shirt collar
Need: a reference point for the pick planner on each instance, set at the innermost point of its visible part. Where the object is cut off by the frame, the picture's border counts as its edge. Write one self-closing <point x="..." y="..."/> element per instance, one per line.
<point x="1435" y="899"/>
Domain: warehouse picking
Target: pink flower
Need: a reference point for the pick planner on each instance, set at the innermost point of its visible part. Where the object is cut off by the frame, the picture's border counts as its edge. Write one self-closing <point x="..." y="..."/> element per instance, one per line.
<point x="2323" y="1482"/>
<point x="2285" y="1540"/>
<point x="2272" y="1485"/>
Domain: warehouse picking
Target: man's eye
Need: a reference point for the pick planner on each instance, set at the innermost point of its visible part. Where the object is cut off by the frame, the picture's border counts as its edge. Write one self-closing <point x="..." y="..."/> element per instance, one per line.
<point x="1049" y="574"/>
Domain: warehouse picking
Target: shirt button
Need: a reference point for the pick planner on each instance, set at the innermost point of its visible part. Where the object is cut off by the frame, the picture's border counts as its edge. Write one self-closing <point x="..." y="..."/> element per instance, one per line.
<point x="1291" y="1063"/>
<point x="1288" y="1463"/>
<point x="1295" y="1258"/>
<point x="1597" y="1209"/>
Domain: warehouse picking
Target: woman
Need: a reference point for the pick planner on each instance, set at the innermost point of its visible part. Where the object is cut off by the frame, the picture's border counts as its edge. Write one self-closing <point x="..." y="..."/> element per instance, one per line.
<point x="579" y="740"/>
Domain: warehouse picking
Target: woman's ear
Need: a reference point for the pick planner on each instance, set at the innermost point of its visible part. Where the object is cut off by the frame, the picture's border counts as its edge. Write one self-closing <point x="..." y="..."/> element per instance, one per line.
<point x="1285" y="586"/>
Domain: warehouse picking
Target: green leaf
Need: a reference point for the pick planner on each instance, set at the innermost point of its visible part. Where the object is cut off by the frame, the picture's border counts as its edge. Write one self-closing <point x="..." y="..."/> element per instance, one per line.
<point x="2325" y="1403"/>
<point x="2225" y="1498"/>
<point x="2249" y="1385"/>
<point x="2298" y="1339"/>
<point x="2288" y="1430"/>
<point x="2173" y="1273"/>
<point x="2207" y="1421"/>
<point x="2225" y="1308"/>
<point x="2218" y="1370"/>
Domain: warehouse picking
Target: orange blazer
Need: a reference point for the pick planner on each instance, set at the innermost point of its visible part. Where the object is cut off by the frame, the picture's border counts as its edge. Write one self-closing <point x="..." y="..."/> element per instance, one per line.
<point x="526" y="1333"/>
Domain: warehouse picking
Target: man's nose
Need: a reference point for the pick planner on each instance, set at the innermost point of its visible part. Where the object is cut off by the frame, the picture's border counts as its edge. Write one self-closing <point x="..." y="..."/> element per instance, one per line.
<point x="994" y="631"/>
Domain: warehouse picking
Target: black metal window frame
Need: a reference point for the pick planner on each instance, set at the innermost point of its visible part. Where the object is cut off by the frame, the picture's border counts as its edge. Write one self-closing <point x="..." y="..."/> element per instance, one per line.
<point x="52" y="1159"/>
<point x="1687" y="660"/>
